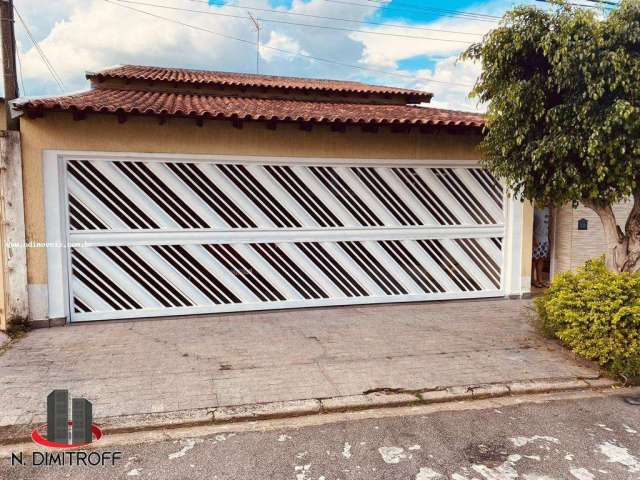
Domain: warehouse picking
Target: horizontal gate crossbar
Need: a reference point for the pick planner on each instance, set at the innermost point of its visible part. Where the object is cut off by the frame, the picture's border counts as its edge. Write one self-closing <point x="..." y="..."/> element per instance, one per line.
<point x="240" y="307"/>
<point x="209" y="236"/>
<point x="270" y="160"/>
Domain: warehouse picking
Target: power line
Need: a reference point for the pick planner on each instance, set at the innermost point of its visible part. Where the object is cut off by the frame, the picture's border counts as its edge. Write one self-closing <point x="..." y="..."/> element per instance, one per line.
<point x="603" y="2"/>
<point x="417" y="37"/>
<point x="322" y="17"/>
<point x="44" y="58"/>
<point x="287" y="52"/>
<point x="24" y="91"/>
<point x="443" y="12"/>
<point x="576" y="5"/>
<point x="409" y="6"/>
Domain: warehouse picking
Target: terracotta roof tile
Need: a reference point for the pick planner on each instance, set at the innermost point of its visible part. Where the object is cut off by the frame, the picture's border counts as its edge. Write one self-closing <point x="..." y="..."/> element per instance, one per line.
<point x="205" y="77"/>
<point x="211" y="106"/>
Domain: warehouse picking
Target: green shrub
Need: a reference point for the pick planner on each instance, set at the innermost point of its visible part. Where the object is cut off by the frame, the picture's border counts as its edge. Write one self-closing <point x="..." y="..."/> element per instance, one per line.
<point x="597" y="314"/>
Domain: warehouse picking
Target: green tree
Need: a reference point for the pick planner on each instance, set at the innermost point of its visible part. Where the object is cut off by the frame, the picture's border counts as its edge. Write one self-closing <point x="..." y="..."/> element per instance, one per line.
<point x="562" y="88"/>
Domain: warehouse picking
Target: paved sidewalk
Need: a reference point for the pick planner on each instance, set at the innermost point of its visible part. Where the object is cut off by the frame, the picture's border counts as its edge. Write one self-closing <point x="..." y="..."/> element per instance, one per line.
<point x="156" y="366"/>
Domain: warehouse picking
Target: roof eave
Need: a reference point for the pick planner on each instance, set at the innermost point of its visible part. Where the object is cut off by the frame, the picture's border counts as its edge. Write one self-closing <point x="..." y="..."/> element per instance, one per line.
<point x="37" y="111"/>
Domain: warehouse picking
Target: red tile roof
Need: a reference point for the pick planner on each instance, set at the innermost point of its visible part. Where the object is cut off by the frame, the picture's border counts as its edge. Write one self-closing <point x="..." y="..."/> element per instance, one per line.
<point x="245" y="80"/>
<point x="212" y="106"/>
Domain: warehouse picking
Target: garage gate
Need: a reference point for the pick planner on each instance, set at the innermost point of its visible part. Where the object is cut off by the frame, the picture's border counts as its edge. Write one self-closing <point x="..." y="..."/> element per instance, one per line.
<point x="155" y="237"/>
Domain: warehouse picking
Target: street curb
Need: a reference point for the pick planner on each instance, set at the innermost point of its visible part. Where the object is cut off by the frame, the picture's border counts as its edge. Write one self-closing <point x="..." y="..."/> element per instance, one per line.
<point x="295" y="408"/>
<point x="372" y="400"/>
<point x="521" y="388"/>
<point x="385" y="399"/>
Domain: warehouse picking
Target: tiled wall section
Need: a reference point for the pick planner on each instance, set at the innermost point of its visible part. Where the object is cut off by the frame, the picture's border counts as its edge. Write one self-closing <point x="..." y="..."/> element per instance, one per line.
<point x="573" y="247"/>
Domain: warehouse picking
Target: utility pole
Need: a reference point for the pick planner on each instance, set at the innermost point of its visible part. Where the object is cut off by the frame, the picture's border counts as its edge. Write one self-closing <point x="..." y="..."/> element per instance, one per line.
<point x="256" y="24"/>
<point x="14" y="305"/>
<point x="9" y="72"/>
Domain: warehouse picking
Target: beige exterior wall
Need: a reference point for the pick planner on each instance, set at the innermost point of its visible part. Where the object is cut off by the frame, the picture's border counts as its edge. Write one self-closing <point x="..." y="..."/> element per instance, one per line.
<point x="58" y="131"/>
<point x="573" y="247"/>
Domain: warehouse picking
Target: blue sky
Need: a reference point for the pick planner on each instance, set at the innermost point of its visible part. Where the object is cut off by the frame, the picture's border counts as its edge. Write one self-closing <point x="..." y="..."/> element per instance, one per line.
<point x="88" y="35"/>
<point x="405" y="9"/>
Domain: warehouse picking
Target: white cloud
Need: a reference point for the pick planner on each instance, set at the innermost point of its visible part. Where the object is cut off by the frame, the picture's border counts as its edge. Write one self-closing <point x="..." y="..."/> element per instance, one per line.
<point x="280" y="41"/>
<point x="93" y="34"/>
<point x="81" y="35"/>
<point x="101" y="34"/>
<point x="386" y="51"/>
<point x="43" y="15"/>
<point x="460" y="76"/>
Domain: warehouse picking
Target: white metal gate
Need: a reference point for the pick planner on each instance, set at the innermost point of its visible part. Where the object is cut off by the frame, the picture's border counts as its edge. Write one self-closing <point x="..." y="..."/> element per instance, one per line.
<point x="156" y="237"/>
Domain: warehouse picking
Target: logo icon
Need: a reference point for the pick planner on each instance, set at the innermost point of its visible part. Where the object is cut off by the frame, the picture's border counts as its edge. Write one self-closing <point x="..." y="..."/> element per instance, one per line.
<point x="65" y="433"/>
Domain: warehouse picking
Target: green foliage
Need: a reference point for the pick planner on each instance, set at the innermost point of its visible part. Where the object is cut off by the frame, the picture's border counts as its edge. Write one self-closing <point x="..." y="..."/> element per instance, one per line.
<point x="596" y="313"/>
<point x="562" y="89"/>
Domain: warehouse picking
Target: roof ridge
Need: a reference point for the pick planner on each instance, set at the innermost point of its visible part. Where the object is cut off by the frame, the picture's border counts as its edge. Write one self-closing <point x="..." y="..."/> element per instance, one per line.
<point x="219" y="77"/>
<point x="244" y="74"/>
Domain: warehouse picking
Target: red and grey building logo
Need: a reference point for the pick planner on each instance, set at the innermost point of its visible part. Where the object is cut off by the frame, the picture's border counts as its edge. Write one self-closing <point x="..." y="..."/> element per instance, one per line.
<point x="67" y="427"/>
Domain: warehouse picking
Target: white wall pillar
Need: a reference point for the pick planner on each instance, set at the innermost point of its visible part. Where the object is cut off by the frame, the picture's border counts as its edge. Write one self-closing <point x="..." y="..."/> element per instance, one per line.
<point x="515" y="284"/>
<point x="57" y="306"/>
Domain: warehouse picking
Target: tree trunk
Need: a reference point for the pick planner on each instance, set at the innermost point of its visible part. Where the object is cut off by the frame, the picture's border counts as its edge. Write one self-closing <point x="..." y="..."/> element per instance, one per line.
<point x="632" y="237"/>
<point x="623" y="248"/>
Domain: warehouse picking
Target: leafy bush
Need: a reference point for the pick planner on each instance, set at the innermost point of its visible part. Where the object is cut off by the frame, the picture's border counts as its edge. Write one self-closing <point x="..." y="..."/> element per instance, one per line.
<point x="596" y="313"/>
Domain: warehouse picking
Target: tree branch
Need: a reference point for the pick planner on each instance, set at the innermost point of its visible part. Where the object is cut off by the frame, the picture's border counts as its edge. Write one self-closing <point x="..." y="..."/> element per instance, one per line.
<point x="634" y="214"/>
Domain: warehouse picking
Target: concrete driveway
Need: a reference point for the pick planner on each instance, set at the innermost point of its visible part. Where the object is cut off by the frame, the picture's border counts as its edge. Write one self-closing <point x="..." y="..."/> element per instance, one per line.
<point x="171" y="365"/>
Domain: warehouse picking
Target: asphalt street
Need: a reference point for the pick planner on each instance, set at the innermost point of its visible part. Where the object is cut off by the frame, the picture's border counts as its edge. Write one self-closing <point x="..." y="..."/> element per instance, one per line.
<point x="584" y="439"/>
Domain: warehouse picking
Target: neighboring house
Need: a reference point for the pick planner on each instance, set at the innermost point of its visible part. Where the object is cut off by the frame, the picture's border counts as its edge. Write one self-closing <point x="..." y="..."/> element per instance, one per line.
<point x="192" y="192"/>
<point x="578" y="235"/>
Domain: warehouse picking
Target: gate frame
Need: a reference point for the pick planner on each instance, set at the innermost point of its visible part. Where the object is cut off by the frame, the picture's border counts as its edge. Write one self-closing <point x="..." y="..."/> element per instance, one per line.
<point x="57" y="228"/>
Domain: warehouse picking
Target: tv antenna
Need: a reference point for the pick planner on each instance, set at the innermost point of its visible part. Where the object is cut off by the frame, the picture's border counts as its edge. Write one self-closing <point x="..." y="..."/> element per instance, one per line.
<point x="256" y="24"/>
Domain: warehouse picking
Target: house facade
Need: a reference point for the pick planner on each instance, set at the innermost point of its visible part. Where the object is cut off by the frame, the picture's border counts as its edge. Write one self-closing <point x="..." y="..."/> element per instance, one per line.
<point x="163" y="192"/>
